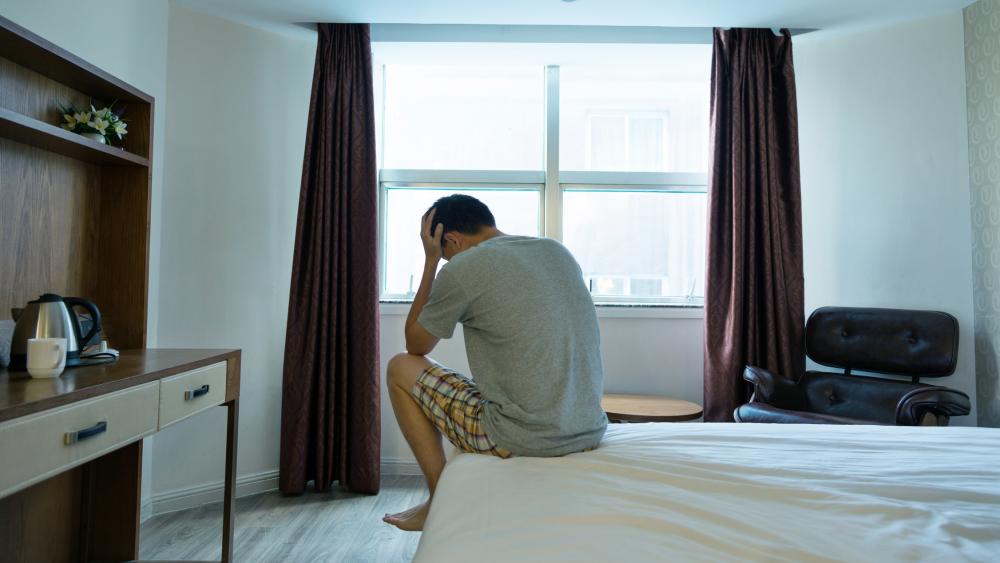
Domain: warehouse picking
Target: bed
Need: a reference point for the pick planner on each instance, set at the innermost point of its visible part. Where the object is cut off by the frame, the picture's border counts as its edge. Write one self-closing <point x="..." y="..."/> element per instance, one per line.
<point x="724" y="492"/>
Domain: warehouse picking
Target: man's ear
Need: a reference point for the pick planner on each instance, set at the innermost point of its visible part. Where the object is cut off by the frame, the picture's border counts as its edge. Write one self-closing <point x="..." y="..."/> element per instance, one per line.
<point x="450" y="237"/>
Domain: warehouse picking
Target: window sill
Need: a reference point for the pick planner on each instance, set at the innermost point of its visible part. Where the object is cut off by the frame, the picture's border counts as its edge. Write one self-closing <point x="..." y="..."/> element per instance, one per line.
<point x="400" y="308"/>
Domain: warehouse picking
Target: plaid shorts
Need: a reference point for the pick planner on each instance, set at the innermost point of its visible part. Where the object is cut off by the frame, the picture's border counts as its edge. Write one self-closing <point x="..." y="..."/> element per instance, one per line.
<point x="454" y="405"/>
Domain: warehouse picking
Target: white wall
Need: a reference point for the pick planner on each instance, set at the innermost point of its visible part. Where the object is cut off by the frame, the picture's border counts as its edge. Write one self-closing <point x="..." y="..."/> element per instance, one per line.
<point x="237" y="108"/>
<point x="885" y="173"/>
<point x="129" y="40"/>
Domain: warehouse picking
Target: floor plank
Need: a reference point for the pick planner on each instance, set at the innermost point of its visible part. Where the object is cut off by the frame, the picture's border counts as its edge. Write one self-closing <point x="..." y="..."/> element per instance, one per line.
<point x="332" y="526"/>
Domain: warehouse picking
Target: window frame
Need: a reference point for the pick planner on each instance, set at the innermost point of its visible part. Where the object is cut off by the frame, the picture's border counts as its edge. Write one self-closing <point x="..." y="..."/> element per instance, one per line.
<point x="550" y="184"/>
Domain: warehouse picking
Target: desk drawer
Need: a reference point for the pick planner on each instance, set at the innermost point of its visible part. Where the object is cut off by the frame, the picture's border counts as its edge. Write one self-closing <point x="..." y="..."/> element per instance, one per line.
<point x="35" y="447"/>
<point x="191" y="392"/>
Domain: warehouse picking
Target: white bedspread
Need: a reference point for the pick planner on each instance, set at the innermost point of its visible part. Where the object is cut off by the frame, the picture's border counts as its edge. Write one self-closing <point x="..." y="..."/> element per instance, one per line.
<point x="724" y="492"/>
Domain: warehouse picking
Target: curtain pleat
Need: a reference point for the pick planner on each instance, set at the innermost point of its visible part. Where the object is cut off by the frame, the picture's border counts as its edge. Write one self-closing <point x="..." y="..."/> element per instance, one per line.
<point x="330" y="421"/>
<point x="754" y="304"/>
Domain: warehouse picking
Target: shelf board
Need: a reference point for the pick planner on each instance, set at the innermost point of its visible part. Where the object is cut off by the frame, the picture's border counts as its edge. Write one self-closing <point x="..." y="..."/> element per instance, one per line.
<point x="24" y="129"/>
<point x="44" y="57"/>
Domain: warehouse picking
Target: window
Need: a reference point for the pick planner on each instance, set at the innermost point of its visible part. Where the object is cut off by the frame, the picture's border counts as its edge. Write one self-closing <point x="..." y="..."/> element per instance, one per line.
<point x="610" y="160"/>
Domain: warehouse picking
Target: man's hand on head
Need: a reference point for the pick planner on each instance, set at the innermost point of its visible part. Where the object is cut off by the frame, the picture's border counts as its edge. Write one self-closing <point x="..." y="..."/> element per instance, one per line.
<point x="418" y="340"/>
<point x="431" y="241"/>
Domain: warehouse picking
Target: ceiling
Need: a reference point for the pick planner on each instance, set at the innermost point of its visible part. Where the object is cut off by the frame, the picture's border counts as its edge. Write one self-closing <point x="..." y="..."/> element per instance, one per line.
<point x="810" y="14"/>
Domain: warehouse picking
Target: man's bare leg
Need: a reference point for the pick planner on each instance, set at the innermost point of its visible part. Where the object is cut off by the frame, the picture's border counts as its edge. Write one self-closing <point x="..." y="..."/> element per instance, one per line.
<point x="420" y="433"/>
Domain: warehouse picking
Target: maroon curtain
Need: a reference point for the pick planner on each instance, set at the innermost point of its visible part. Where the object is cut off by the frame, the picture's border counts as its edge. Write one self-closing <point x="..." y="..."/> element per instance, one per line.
<point x="330" y="424"/>
<point x="754" y="288"/>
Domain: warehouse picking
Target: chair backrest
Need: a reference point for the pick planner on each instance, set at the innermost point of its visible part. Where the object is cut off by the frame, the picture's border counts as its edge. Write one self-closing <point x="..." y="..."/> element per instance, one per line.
<point x="891" y="341"/>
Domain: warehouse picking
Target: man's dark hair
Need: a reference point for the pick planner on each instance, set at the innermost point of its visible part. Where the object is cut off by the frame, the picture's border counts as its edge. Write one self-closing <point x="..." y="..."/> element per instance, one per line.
<point x="461" y="213"/>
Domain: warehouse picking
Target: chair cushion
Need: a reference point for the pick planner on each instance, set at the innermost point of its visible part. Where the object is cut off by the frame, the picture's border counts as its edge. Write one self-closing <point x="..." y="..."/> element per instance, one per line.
<point x="891" y="341"/>
<point x="763" y="412"/>
<point x="854" y="396"/>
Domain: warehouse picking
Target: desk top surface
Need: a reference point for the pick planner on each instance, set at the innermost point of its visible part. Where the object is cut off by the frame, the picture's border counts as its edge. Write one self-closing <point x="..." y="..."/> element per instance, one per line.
<point x="22" y="395"/>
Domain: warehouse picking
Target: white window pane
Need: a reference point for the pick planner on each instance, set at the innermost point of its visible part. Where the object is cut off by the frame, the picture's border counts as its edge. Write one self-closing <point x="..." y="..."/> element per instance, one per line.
<point x="645" y="141"/>
<point x="606" y="136"/>
<point x="516" y="213"/>
<point x="464" y="117"/>
<point x="664" y="109"/>
<point x="637" y="244"/>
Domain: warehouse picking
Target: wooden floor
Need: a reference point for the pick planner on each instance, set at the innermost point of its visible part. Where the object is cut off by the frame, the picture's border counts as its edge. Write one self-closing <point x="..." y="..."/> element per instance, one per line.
<point x="333" y="526"/>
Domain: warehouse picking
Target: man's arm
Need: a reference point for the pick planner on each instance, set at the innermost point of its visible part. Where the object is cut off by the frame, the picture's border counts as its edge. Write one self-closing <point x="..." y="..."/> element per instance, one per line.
<point x="418" y="340"/>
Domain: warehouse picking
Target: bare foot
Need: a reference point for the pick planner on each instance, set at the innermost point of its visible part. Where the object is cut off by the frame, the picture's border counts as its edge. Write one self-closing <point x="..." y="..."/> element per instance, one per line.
<point x="411" y="520"/>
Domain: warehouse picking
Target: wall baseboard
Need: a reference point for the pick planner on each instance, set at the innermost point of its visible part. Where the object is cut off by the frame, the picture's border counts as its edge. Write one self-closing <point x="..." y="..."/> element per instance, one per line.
<point x="198" y="495"/>
<point x="145" y="509"/>
<point x="400" y="466"/>
<point x="191" y="497"/>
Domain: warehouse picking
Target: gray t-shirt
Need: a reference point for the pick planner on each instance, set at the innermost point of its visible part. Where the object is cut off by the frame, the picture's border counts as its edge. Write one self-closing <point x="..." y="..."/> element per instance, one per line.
<point x="532" y="340"/>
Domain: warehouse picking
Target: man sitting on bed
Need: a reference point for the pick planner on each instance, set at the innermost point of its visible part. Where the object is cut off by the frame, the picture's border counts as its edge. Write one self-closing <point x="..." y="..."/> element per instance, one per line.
<point x="532" y="341"/>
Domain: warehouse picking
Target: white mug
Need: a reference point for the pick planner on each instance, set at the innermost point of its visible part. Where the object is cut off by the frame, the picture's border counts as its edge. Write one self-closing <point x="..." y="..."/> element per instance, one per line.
<point x="46" y="356"/>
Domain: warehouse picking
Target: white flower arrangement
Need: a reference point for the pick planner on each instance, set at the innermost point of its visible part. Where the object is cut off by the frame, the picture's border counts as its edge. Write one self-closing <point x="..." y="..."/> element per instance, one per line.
<point x="103" y="122"/>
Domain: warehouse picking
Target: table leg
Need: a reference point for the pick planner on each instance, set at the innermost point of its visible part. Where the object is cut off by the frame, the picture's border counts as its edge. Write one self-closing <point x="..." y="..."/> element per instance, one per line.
<point x="111" y="491"/>
<point x="228" y="502"/>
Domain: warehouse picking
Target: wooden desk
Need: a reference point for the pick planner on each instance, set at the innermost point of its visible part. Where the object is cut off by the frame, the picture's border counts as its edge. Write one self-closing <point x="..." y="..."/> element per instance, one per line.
<point x="71" y="449"/>
<point x="648" y="408"/>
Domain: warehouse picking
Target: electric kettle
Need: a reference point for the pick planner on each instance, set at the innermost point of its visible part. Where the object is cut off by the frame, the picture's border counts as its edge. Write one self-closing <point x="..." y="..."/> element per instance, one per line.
<point x="52" y="316"/>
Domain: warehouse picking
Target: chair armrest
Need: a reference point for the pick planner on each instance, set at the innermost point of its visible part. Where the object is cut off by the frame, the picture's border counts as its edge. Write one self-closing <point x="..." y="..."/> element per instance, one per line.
<point x="774" y="389"/>
<point x="940" y="401"/>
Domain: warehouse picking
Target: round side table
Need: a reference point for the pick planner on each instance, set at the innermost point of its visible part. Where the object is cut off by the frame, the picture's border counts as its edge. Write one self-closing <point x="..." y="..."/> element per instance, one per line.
<point x="648" y="408"/>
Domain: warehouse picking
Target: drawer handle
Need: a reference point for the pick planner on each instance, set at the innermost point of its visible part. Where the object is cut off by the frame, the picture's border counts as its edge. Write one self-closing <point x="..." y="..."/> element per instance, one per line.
<point x="195" y="393"/>
<point x="81" y="435"/>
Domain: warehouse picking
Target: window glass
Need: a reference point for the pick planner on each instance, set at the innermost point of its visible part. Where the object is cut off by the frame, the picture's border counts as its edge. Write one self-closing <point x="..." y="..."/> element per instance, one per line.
<point x="464" y="117"/>
<point x="637" y="244"/>
<point x="635" y="119"/>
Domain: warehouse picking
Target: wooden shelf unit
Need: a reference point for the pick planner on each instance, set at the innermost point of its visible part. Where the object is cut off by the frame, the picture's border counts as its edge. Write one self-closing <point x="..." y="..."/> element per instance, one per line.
<point x="74" y="220"/>
<point x="74" y="213"/>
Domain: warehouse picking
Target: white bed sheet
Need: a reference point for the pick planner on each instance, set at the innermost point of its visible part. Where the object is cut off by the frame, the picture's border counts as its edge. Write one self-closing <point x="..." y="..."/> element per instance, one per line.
<point x="725" y="492"/>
